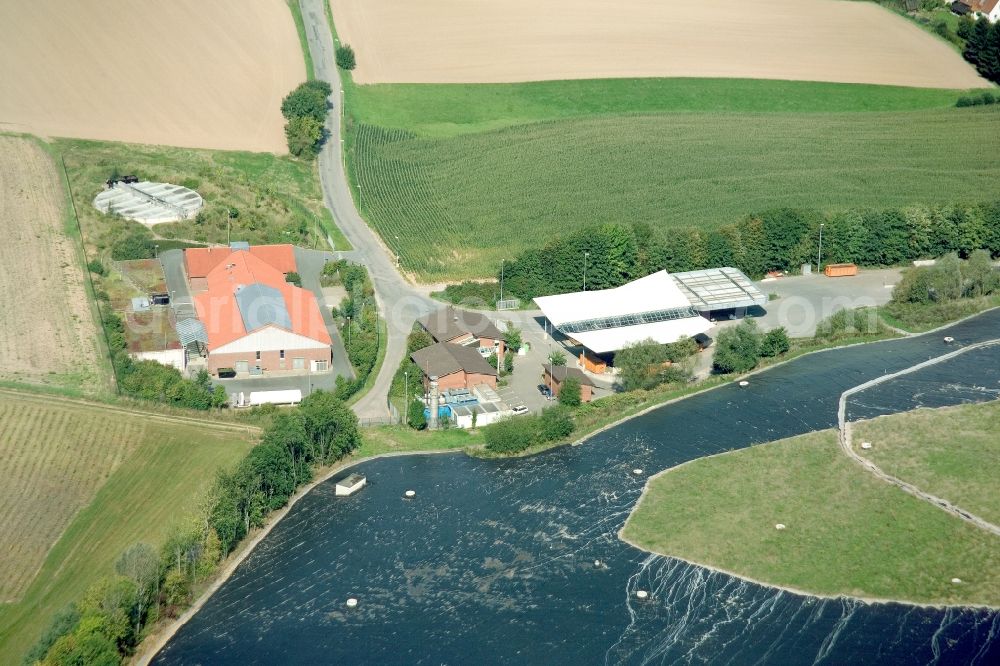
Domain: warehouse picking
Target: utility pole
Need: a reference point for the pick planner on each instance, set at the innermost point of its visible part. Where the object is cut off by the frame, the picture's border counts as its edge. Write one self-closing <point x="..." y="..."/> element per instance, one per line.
<point x="348" y="333"/>
<point x="501" y="280"/>
<point x="406" y="396"/>
<point x="585" y="256"/>
<point x="819" y="254"/>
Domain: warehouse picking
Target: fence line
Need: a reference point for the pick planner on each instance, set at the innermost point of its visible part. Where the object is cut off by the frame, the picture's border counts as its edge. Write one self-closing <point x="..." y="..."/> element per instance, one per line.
<point x="844" y="428"/>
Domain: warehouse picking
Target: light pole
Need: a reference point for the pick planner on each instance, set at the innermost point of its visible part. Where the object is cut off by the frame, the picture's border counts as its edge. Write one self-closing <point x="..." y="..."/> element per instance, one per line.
<point x="585" y="256"/>
<point x="819" y="254"/>
<point x="406" y="396"/>
<point x="348" y="332"/>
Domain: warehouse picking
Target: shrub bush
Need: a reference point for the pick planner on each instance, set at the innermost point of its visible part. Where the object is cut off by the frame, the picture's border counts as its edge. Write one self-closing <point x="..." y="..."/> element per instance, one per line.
<point x="416" y="418"/>
<point x="96" y="267"/>
<point x="569" y="392"/>
<point x="345" y="57"/>
<point x="775" y="342"/>
<point x="478" y="295"/>
<point x="133" y="245"/>
<point x="738" y="349"/>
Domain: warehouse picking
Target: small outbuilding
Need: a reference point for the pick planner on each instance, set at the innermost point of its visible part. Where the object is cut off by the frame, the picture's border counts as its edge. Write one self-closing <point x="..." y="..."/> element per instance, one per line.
<point x="554" y="375"/>
<point x="455" y="366"/>
<point x="350" y="485"/>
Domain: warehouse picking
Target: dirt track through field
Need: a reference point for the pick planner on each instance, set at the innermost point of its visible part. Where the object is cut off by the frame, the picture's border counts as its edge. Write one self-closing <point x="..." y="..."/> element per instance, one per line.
<point x="191" y="73"/>
<point x="481" y="41"/>
<point x="47" y="332"/>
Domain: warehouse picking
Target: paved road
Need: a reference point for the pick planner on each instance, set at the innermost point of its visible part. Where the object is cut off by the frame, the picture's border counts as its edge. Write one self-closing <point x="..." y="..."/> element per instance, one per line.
<point x="399" y="303"/>
<point x="173" y="270"/>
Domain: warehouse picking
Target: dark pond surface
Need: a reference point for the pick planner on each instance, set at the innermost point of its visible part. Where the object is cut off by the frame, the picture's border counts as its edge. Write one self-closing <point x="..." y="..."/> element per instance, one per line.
<point x="494" y="561"/>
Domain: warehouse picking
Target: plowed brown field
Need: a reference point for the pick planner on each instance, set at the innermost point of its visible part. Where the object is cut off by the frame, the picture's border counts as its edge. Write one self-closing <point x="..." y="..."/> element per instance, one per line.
<point x="47" y="333"/>
<point x="192" y="73"/>
<point x="481" y="41"/>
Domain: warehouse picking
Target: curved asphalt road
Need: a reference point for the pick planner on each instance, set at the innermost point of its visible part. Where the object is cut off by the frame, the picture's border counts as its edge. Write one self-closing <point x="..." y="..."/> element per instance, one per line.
<point x="399" y="303"/>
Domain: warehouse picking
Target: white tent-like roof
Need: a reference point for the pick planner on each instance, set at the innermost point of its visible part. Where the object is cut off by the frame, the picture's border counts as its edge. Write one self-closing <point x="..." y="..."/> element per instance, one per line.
<point x="609" y="319"/>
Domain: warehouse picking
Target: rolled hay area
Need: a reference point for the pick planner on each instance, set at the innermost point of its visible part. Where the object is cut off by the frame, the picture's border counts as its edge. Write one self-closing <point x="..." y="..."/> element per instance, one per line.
<point x="481" y="41"/>
<point x="192" y="73"/>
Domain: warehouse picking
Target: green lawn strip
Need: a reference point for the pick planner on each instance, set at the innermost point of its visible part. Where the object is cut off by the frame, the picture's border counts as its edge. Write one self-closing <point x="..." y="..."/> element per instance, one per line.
<point x="945" y="452"/>
<point x="847" y="532"/>
<point x="300" y="28"/>
<point x="443" y="110"/>
<point x="402" y="439"/>
<point x="920" y="317"/>
<point x="147" y="495"/>
<point x="459" y="205"/>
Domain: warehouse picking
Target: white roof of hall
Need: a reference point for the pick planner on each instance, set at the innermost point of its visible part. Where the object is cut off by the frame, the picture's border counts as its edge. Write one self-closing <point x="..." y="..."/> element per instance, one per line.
<point x="610" y="319"/>
<point x="664" y="332"/>
<point x="657" y="291"/>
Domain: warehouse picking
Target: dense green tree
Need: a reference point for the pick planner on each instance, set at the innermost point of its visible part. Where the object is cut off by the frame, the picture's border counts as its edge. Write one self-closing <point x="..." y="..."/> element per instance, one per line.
<point x="331" y="426"/>
<point x="737" y="349"/>
<point x="646" y="364"/>
<point x="415" y="417"/>
<point x="306" y="101"/>
<point x="569" y="392"/>
<point x="557" y="357"/>
<point x="303" y="134"/>
<point x="775" y="342"/>
<point x="344" y="57"/>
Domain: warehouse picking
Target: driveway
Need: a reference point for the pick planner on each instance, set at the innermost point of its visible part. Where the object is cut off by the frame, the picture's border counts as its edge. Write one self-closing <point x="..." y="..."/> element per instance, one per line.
<point x="173" y="270"/>
<point x="310" y="264"/>
<point x="307" y="383"/>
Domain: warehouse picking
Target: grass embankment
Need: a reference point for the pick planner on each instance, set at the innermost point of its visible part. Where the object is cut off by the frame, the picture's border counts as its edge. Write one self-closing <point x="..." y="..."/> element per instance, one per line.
<point x="458" y="172"/>
<point x="920" y="317"/>
<point x="81" y="483"/>
<point x="949" y="452"/>
<point x="256" y="197"/>
<point x="300" y="28"/>
<point x="847" y="533"/>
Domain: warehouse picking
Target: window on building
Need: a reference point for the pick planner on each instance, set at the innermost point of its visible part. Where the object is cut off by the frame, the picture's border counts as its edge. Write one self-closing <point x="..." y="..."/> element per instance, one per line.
<point x="258" y="356"/>
<point x="281" y="354"/>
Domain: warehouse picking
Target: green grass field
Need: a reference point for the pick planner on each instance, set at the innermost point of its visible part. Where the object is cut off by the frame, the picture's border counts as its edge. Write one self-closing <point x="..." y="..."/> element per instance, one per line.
<point x="942" y="451"/>
<point x="81" y="483"/>
<point x="847" y="533"/>
<point x="276" y="199"/>
<point x="454" y="206"/>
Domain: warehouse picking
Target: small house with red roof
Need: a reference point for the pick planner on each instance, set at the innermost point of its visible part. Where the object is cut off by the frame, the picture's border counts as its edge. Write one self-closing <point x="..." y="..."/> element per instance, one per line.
<point x="255" y="321"/>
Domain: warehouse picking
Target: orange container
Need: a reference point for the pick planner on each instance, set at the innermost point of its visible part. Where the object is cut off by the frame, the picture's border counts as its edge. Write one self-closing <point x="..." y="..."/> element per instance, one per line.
<point x="840" y="270"/>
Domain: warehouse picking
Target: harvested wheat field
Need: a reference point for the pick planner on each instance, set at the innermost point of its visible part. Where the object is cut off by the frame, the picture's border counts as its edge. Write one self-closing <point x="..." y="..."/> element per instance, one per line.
<point x="82" y="481"/>
<point x="54" y="460"/>
<point x="192" y="73"/>
<point x="47" y="332"/>
<point x="481" y="41"/>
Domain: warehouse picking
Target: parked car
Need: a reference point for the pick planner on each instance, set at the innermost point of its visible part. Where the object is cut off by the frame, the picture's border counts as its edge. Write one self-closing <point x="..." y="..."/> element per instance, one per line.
<point x="226" y="373"/>
<point x="520" y="410"/>
<point x="545" y="390"/>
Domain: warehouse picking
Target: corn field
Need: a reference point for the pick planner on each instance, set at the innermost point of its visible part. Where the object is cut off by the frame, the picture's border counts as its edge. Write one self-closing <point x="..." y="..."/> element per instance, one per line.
<point x="454" y="207"/>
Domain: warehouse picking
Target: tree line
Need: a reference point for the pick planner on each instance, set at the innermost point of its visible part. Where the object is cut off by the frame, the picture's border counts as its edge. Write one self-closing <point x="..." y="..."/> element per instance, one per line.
<point x="109" y="621"/>
<point x="982" y="46"/>
<point x="610" y="255"/>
